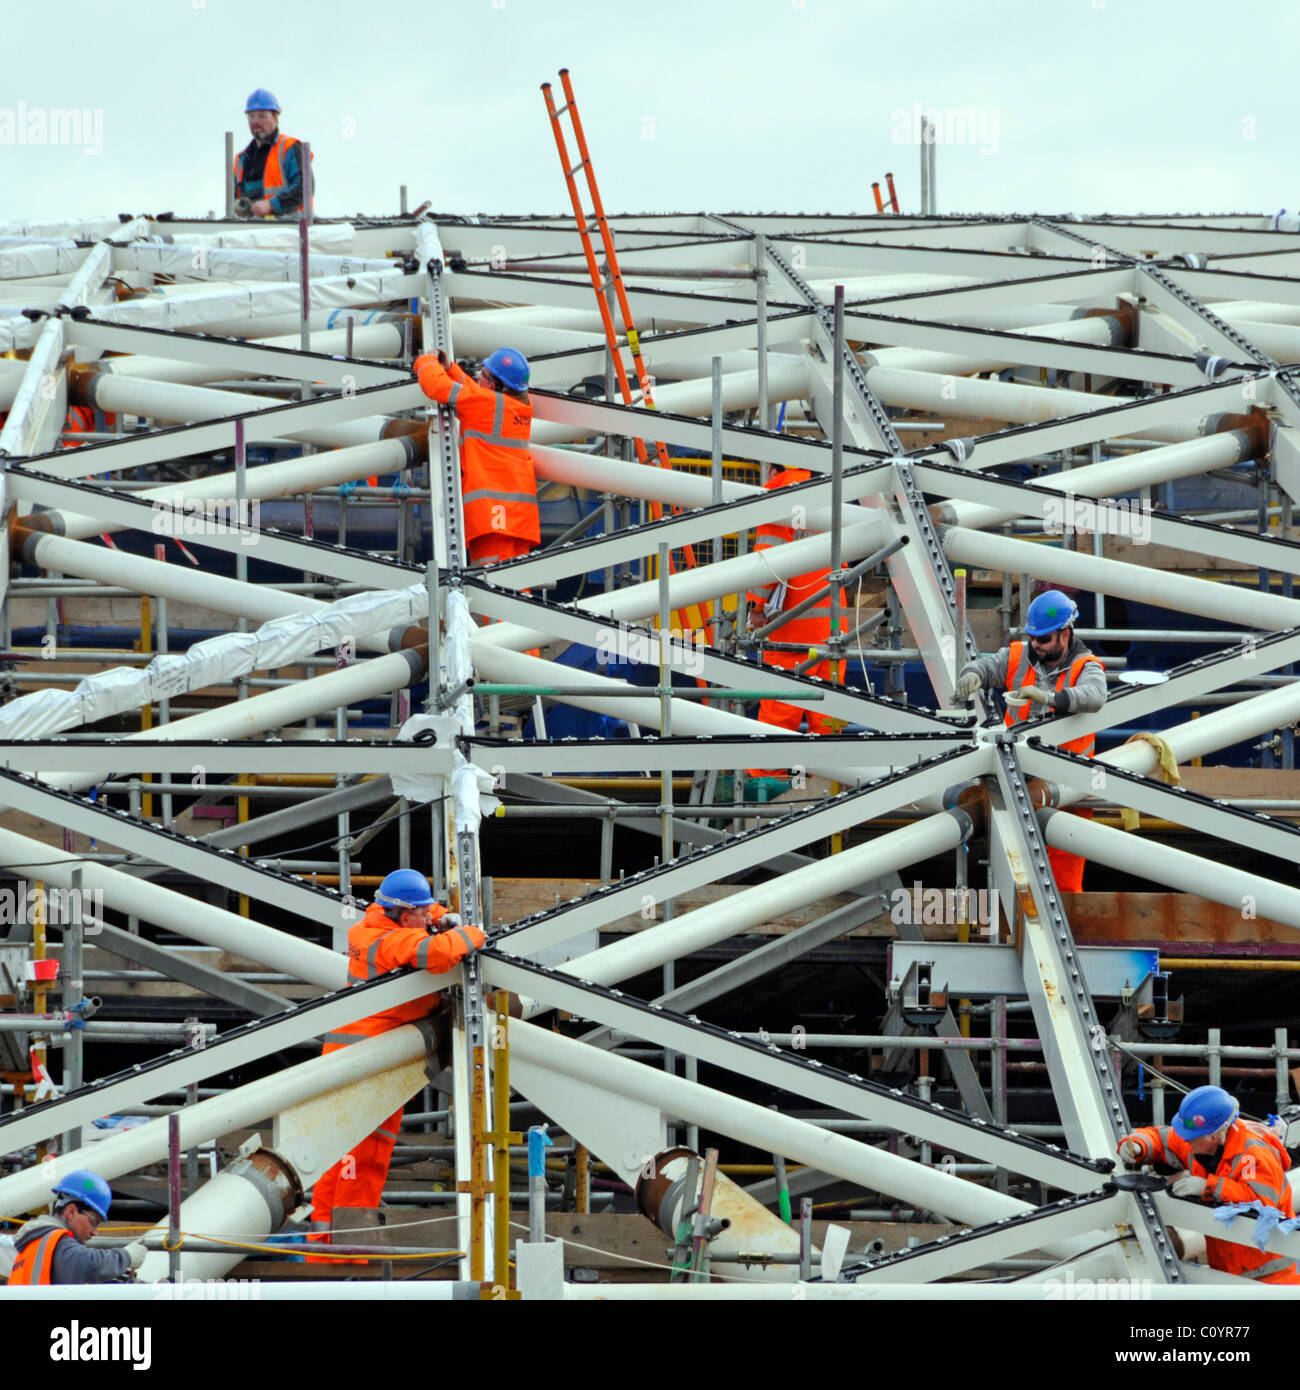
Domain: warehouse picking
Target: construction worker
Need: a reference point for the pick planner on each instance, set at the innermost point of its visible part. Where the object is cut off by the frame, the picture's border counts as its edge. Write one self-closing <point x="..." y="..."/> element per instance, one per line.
<point x="1051" y="673"/>
<point x="268" y="170"/>
<point x="1220" y="1158"/>
<point x="404" y="925"/>
<point x="810" y="630"/>
<point x="54" y="1250"/>
<point x="498" y="485"/>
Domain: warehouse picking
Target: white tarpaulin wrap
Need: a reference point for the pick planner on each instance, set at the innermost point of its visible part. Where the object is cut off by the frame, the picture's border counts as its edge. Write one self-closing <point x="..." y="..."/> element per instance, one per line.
<point x="278" y="643"/>
<point x="207" y="263"/>
<point x="467" y="804"/>
<point x="330" y="236"/>
<point x="93" y="229"/>
<point x="37" y="258"/>
<point x="420" y="786"/>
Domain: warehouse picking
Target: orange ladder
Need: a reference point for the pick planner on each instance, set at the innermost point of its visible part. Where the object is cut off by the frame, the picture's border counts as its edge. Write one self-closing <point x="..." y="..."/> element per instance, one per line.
<point x="601" y="286"/>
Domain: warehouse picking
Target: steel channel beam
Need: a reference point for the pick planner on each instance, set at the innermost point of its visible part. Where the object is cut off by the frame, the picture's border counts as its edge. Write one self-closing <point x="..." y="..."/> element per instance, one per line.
<point x="257" y="1001"/>
<point x="1035" y="500"/>
<point x="228" y="1052"/>
<point x="290" y="363"/>
<point x="983" y="1245"/>
<point x="1251" y="830"/>
<point x="139" y="514"/>
<point x="685" y="755"/>
<point x="798" y="1076"/>
<point x="354" y="758"/>
<point x="166" y="847"/>
<point x="572" y="625"/>
<point x="738" y="854"/>
<point x="207" y="436"/>
<point x="982" y="971"/>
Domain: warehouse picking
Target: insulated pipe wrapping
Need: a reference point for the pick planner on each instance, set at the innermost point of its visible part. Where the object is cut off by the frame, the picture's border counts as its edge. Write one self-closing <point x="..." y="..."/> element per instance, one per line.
<point x="1188" y="873"/>
<point x="191" y="917"/>
<point x="242" y="1108"/>
<point x="272" y="709"/>
<point x="706" y="926"/>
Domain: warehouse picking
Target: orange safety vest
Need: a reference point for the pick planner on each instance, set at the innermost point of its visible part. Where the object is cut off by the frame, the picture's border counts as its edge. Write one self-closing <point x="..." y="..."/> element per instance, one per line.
<point x="272" y="175"/>
<point x="498" y="484"/>
<point x="33" y="1265"/>
<point x="1020" y="672"/>
<point x="1252" y="1168"/>
<point x="377" y="945"/>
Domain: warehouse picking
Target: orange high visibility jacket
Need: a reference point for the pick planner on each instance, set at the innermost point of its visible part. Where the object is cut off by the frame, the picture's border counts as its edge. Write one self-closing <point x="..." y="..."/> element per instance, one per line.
<point x="498" y="485"/>
<point x="377" y="945"/>
<point x="1252" y="1168"/>
<point x="273" y="176"/>
<point x="1020" y="673"/>
<point x="36" y="1260"/>
<point x="815" y="625"/>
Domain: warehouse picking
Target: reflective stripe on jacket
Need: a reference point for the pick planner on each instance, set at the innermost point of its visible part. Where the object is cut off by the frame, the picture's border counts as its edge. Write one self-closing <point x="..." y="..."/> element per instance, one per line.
<point x="377" y="945"/>
<point x="36" y="1259"/>
<point x="1021" y="672"/>
<point x="1251" y="1168"/>
<point x="497" y="481"/>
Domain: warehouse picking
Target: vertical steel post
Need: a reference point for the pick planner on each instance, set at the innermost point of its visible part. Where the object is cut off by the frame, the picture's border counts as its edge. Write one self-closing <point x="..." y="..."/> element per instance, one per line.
<point x="805" y="1238"/>
<point x="402" y="198"/>
<point x="173" y="1241"/>
<point x="760" y="306"/>
<point x="715" y="495"/>
<point x="304" y="244"/>
<point x="74" y="991"/>
<point x="925" y="167"/>
<point x="837" y="479"/>
<point x="666" y="777"/>
<point x="934" y="166"/>
<point x="230" y="174"/>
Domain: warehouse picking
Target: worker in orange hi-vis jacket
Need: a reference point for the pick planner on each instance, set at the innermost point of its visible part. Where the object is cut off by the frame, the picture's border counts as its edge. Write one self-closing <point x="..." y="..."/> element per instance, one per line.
<point x="1222" y="1158"/>
<point x="811" y="630"/>
<point x="498" y="485"/>
<point x="403" y="926"/>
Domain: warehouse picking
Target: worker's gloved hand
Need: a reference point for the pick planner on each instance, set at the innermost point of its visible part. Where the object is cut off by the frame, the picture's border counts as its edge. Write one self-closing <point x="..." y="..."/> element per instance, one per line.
<point x="447" y="921"/>
<point x="1187" y="1185"/>
<point x="421" y="361"/>
<point x="1133" y="1151"/>
<point x="1031" y="694"/>
<point x="967" y="684"/>
<point x="135" y="1252"/>
<point x="443" y="360"/>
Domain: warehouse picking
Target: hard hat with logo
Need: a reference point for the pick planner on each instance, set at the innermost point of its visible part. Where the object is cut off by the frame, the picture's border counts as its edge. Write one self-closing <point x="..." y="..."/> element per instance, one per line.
<point x="1050" y="612"/>
<point x="1204" y="1112"/>
<point x="85" y="1188"/>
<point x="405" y="888"/>
<point x="510" y="367"/>
<point x="261" y="100"/>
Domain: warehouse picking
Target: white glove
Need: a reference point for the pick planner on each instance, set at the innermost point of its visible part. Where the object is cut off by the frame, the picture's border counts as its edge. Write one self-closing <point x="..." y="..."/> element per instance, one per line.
<point x="967" y="684"/>
<point x="135" y="1252"/>
<point x="447" y="921"/>
<point x="1133" y="1151"/>
<point x="1186" y="1185"/>
<point x="1031" y="694"/>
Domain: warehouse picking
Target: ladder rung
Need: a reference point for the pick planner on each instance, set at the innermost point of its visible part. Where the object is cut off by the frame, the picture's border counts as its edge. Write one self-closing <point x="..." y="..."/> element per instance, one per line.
<point x="575" y="168"/>
<point x="560" y="110"/>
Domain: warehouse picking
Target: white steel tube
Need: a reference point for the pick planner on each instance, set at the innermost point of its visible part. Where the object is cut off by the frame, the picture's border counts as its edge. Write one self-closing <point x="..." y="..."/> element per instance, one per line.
<point x="706" y="926"/>
<point x="1163" y="588"/>
<point x="191" y="917"/>
<point x="1189" y="873"/>
<point x="242" y="1108"/>
<point x="180" y="404"/>
<point x="1102" y="331"/>
<point x="1116" y="475"/>
<point x="267" y="480"/>
<point x="769" y="1131"/>
<point x="272" y="709"/>
<point x="947" y="395"/>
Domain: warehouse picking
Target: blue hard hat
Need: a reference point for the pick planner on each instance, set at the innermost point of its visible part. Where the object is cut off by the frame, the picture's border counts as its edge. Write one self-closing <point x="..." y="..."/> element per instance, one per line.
<point x="1050" y="612"/>
<point x="1205" y="1111"/>
<point x="405" y="888"/>
<point x="261" y="100"/>
<point x="87" y="1189"/>
<point x="510" y="367"/>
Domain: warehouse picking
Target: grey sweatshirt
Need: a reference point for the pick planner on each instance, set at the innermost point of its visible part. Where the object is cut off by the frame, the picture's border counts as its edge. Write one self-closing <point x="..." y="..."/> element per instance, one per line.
<point x="1084" y="698"/>
<point x="74" y="1263"/>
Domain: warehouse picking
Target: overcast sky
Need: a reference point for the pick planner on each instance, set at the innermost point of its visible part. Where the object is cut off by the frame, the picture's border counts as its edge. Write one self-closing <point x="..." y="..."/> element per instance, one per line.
<point x="791" y="105"/>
